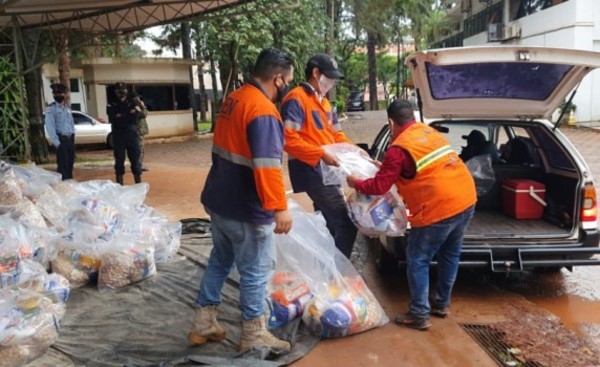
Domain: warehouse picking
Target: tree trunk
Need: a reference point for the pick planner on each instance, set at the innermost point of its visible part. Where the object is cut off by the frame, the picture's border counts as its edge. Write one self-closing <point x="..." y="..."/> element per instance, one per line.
<point x="372" y="63"/>
<point x="33" y="87"/>
<point x="64" y="64"/>
<point x="215" y="86"/>
<point x="330" y="39"/>
<point x="186" y="48"/>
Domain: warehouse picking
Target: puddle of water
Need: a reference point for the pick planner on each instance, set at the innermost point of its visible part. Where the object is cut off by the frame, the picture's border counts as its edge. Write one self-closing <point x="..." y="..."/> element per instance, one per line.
<point x="572" y="310"/>
<point x="574" y="297"/>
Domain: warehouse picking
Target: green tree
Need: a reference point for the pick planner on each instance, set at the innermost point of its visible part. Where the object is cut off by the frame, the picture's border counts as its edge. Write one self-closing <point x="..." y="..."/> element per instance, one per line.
<point x="372" y="18"/>
<point x="386" y="72"/>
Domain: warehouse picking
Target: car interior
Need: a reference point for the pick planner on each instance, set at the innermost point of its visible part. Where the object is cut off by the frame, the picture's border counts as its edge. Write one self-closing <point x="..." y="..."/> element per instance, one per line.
<point x="525" y="152"/>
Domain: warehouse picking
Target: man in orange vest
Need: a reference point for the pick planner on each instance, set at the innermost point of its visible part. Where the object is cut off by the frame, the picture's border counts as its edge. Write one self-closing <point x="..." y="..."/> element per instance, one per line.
<point x="440" y="194"/>
<point x="311" y="123"/>
<point x="244" y="194"/>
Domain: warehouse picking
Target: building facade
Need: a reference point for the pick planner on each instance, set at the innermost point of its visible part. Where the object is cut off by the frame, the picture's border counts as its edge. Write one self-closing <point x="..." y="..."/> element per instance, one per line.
<point x="571" y="24"/>
<point x="163" y="84"/>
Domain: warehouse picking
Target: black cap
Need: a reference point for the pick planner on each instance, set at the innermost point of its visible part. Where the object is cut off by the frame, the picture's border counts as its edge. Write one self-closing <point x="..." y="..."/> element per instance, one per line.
<point x="120" y="86"/>
<point x="326" y="64"/>
<point x="474" y="136"/>
<point x="58" y="88"/>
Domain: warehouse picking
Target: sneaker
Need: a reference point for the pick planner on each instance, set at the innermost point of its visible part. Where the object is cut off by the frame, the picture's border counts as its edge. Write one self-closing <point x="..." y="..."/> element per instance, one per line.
<point x="411" y="321"/>
<point x="438" y="310"/>
<point x="441" y="312"/>
<point x="144" y="169"/>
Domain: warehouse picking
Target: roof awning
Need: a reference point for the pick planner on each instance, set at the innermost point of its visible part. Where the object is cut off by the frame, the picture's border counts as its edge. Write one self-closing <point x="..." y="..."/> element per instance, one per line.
<point x="105" y="16"/>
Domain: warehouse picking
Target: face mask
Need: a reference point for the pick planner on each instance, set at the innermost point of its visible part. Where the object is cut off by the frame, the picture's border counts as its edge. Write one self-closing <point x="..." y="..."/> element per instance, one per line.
<point x="59" y="99"/>
<point x="281" y="92"/>
<point x="325" y="84"/>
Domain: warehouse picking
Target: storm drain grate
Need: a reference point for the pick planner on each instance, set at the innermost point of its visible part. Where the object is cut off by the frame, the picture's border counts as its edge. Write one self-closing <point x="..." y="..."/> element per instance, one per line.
<point x="490" y="339"/>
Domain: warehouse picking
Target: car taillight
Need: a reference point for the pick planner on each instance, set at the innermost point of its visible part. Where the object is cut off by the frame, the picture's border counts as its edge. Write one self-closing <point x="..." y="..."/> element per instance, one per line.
<point x="589" y="209"/>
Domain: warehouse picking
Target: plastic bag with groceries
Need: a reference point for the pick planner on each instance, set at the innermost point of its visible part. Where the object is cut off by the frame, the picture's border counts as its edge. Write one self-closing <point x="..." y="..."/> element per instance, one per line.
<point x="319" y="282"/>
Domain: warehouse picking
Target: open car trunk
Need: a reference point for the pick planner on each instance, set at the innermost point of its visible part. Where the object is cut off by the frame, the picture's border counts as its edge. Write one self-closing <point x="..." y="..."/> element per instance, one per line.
<point x="545" y="158"/>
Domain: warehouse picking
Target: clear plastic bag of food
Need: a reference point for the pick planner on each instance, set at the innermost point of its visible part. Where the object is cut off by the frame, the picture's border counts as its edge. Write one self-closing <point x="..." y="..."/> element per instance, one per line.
<point x="27" y="326"/>
<point x="376" y="215"/>
<point x="352" y="160"/>
<point x="128" y="260"/>
<point x="340" y="303"/>
<point x="78" y="254"/>
<point x="287" y="296"/>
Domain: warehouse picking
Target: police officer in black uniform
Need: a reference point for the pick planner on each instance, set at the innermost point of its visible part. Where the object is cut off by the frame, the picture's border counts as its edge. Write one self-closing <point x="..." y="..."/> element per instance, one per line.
<point x="123" y="117"/>
<point x="61" y="130"/>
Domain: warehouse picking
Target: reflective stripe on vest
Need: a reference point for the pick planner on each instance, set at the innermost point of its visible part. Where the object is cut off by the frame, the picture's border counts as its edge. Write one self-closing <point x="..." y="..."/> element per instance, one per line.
<point x="433" y="156"/>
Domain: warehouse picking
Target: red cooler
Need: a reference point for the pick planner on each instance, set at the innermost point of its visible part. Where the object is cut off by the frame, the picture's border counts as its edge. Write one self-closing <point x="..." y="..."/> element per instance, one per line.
<point x="523" y="198"/>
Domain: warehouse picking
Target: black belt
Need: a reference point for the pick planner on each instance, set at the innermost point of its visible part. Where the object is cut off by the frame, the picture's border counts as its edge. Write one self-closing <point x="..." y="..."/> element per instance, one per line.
<point x="65" y="136"/>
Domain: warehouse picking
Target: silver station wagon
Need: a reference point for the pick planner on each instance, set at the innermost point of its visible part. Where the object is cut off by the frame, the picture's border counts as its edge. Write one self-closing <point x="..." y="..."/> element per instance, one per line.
<point x="537" y="206"/>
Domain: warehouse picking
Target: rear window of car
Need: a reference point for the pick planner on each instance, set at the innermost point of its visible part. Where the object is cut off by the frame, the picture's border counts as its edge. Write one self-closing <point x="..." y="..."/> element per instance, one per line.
<point x="556" y="155"/>
<point x="532" y="81"/>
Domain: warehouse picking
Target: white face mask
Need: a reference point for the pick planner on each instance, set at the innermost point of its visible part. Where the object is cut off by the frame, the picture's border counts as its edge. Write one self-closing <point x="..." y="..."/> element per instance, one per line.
<point x="325" y="84"/>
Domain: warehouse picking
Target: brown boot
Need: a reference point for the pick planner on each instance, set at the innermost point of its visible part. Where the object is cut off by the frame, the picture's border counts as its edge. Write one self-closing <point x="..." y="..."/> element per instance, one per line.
<point x="205" y="326"/>
<point x="255" y="334"/>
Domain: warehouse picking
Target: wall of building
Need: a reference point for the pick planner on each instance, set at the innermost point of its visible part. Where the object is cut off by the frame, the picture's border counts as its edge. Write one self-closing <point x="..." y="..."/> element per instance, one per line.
<point x="573" y="24"/>
<point x="100" y="73"/>
<point x="50" y="75"/>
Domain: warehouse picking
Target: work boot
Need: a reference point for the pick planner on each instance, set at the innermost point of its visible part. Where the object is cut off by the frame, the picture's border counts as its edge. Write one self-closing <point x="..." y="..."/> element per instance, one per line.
<point x="137" y="178"/>
<point x="205" y="326"/>
<point x="255" y="334"/>
<point x="120" y="179"/>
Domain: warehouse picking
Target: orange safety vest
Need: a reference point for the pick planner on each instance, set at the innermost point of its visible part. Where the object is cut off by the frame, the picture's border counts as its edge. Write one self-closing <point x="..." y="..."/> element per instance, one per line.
<point x="309" y="124"/>
<point x="245" y="181"/>
<point x="442" y="186"/>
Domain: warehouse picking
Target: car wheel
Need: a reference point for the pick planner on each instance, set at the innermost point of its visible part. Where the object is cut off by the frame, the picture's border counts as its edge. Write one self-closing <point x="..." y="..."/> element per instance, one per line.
<point x="385" y="263"/>
<point x="109" y="141"/>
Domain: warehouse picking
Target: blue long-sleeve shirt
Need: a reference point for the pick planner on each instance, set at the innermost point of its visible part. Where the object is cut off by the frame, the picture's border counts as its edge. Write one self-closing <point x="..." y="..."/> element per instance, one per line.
<point x="59" y="121"/>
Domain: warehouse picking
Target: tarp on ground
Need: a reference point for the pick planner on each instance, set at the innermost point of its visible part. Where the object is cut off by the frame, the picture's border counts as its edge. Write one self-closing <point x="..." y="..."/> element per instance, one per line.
<point x="146" y="324"/>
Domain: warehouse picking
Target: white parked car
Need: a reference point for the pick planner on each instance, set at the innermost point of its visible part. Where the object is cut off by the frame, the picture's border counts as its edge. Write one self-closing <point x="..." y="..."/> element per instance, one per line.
<point x="89" y="130"/>
<point x="506" y="95"/>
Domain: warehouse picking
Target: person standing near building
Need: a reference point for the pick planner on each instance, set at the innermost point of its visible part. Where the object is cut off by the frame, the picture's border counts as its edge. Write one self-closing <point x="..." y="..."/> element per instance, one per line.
<point x="61" y="130"/>
<point x="440" y="194"/>
<point x="311" y="123"/>
<point x="123" y="117"/>
<point x="245" y="196"/>
<point x="142" y="125"/>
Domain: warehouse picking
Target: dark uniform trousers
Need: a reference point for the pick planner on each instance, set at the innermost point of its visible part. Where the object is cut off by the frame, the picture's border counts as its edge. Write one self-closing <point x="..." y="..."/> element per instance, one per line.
<point x="127" y="142"/>
<point x="65" y="156"/>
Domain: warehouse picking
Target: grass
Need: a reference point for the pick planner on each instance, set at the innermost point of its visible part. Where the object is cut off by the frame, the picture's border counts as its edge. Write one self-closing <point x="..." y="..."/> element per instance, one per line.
<point x="204" y="125"/>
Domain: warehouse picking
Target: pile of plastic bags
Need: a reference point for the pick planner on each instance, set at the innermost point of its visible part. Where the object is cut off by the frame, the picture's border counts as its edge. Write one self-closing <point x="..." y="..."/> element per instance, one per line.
<point x="81" y="232"/>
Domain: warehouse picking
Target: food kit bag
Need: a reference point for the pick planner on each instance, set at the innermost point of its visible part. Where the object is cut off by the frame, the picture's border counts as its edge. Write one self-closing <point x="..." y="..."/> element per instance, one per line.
<point x="373" y="215"/>
<point x="321" y="281"/>
<point x="376" y="215"/>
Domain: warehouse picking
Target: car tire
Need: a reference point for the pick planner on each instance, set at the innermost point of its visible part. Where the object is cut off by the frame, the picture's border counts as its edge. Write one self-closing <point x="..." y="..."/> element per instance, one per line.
<point x="109" y="141"/>
<point x="385" y="263"/>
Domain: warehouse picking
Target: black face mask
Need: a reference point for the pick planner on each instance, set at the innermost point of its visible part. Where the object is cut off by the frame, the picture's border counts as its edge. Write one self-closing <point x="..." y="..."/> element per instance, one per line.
<point x="281" y="93"/>
<point x="59" y="99"/>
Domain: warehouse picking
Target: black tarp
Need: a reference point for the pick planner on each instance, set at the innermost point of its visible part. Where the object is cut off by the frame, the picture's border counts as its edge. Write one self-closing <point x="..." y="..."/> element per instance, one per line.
<point x="146" y="324"/>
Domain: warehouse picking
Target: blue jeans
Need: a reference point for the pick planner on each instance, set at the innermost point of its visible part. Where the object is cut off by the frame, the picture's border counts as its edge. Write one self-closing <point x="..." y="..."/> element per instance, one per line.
<point x="252" y="248"/>
<point x="330" y="201"/>
<point x="443" y="240"/>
